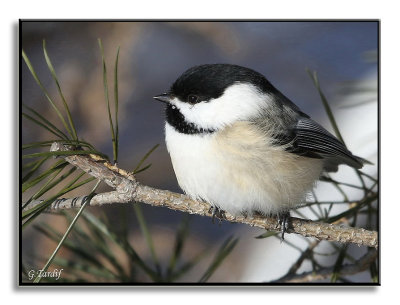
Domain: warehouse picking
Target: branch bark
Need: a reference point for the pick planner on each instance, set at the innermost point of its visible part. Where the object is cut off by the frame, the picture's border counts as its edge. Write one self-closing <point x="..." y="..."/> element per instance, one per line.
<point x="127" y="189"/>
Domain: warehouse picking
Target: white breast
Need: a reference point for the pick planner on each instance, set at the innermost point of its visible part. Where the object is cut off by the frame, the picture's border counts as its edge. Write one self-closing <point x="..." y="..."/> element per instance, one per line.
<point x="237" y="170"/>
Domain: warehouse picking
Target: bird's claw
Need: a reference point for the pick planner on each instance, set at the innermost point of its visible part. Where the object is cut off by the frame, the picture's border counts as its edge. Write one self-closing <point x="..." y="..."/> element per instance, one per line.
<point x="284" y="223"/>
<point x="216" y="212"/>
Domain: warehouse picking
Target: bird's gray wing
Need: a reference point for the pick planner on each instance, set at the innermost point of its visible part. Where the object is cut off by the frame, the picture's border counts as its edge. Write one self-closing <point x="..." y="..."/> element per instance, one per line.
<point x="312" y="140"/>
<point x="305" y="137"/>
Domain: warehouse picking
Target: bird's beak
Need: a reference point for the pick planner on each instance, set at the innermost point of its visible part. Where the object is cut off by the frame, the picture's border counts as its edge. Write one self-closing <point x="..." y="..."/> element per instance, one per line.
<point x="165" y="97"/>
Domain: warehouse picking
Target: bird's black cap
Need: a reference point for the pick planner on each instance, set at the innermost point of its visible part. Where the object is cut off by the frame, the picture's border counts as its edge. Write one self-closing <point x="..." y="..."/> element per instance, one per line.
<point x="210" y="81"/>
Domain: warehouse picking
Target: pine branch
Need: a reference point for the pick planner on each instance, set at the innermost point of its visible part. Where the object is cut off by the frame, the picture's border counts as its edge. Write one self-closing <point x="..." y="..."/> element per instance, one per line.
<point x="127" y="189"/>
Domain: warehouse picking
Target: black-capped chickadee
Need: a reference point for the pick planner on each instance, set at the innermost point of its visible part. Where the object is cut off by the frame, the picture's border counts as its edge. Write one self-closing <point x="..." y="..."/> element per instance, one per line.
<point x="238" y="143"/>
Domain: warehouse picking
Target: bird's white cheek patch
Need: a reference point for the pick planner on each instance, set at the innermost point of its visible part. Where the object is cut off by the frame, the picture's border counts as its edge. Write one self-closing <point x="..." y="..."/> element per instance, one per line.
<point x="239" y="102"/>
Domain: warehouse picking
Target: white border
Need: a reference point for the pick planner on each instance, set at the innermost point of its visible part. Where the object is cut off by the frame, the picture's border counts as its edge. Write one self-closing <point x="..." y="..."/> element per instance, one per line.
<point x="300" y="9"/>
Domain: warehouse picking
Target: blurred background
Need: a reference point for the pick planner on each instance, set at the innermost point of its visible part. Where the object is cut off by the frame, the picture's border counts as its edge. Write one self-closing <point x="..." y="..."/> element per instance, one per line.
<point x="152" y="56"/>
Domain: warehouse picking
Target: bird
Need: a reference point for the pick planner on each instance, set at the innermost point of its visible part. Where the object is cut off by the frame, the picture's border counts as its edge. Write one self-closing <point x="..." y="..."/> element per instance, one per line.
<point x="238" y="143"/>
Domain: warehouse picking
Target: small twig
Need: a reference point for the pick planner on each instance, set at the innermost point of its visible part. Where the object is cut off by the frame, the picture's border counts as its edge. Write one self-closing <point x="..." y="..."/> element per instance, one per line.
<point x="127" y="189"/>
<point x="361" y="265"/>
<point x="306" y="254"/>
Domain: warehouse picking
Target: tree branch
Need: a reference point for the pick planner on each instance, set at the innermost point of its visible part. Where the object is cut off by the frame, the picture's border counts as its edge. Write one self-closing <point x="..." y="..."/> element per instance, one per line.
<point x="127" y="189"/>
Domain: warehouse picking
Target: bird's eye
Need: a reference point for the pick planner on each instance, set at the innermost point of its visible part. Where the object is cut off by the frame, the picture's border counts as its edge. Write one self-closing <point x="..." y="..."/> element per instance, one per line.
<point x="192" y="99"/>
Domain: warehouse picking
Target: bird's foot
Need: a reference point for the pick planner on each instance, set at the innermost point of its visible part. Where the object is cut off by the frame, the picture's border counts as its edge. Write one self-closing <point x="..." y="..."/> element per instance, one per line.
<point x="218" y="213"/>
<point x="284" y="223"/>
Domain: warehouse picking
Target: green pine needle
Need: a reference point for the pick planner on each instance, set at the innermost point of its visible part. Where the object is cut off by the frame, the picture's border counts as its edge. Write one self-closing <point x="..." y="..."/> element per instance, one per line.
<point x="52" y="182"/>
<point x="180" y="238"/>
<point x="35" y="211"/>
<point x="53" y="74"/>
<point x="331" y="117"/>
<point x="50" y="142"/>
<point x="56" y="166"/>
<point x="99" y="273"/>
<point x="35" y="76"/>
<point x="45" y="123"/>
<point x="147" y="235"/>
<point x="34" y="166"/>
<point x="266" y="235"/>
<point x="327" y="107"/>
<point x="226" y="248"/>
<point x="105" y="84"/>
<point x="116" y="105"/>
<point x="63" y="153"/>
<point x="126" y="247"/>
<point x="82" y="252"/>
<point x="137" y="168"/>
<point x="38" y="278"/>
